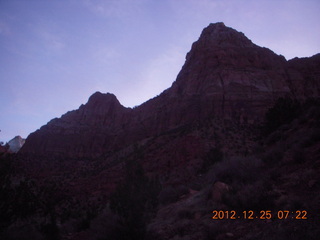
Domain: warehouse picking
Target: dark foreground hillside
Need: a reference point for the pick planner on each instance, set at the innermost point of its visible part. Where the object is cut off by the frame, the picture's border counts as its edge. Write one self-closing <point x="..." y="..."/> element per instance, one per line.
<point x="279" y="175"/>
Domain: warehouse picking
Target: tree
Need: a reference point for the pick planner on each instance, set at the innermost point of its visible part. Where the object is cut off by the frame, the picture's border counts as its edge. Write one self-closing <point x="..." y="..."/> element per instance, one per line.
<point x="135" y="199"/>
<point x="283" y="112"/>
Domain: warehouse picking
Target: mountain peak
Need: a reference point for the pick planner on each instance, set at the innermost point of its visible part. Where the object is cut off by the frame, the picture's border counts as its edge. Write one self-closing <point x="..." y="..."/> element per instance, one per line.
<point x="221" y="35"/>
<point x="105" y="96"/>
<point x="16" y="143"/>
<point x="217" y="25"/>
<point x="103" y="99"/>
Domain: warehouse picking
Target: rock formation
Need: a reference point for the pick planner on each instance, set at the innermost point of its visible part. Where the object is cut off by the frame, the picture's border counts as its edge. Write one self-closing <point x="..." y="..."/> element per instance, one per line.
<point x="225" y="76"/>
<point x="158" y="171"/>
<point x="16" y="143"/>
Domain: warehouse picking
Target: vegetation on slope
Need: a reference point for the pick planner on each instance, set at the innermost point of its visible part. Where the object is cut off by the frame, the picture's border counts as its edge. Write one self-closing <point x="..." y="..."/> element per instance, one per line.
<point x="279" y="173"/>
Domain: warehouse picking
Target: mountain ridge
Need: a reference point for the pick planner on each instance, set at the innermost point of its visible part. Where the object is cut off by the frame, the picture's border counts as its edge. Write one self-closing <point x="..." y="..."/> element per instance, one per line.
<point x="225" y="76"/>
<point x="237" y="130"/>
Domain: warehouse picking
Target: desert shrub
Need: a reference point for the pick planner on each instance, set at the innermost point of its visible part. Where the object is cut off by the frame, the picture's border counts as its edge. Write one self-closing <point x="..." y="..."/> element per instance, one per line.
<point x="312" y="138"/>
<point x="22" y="232"/>
<point x="273" y="156"/>
<point x="183" y="229"/>
<point x="213" y="156"/>
<point x="254" y="196"/>
<point x="18" y="199"/>
<point x="50" y="231"/>
<point x="238" y="169"/>
<point x="257" y="149"/>
<point x="213" y="229"/>
<point x="168" y="195"/>
<point x="86" y="218"/>
<point x="294" y="230"/>
<point x="182" y="190"/>
<point x="295" y="202"/>
<point x="106" y="226"/>
<point x="6" y="192"/>
<point x="185" y="213"/>
<point x="135" y="200"/>
<point x="299" y="156"/>
<point x="274" y="137"/>
<point x="172" y="194"/>
<point x="283" y="112"/>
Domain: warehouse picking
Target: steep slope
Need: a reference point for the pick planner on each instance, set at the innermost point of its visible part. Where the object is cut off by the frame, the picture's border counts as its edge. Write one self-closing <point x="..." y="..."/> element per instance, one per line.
<point x="225" y="77"/>
<point x="238" y="78"/>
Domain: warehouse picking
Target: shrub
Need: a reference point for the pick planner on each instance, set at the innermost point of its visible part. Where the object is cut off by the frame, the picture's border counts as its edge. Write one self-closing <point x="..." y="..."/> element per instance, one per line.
<point x="283" y="112"/>
<point x="273" y="156"/>
<point x="238" y="169"/>
<point x="213" y="156"/>
<point x="106" y="226"/>
<point x="213" y="229"/>
<point x="185" y="213"/>
<point x="254" y="196"/>
<point x="172" y="194"/>
<point x="134" y="200"/>
<point x="299" y="156"/>
<point x="182" y="190"/>
<point x="168" y="195"/>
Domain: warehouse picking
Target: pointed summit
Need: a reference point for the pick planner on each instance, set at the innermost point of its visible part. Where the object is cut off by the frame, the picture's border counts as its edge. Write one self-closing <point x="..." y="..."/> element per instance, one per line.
<point x="99" y="99"/>
<point x="227" y="68"/>
<point x="218" y="34"/>
<point x="16" y="143"/>
<point x="223" y="47"/>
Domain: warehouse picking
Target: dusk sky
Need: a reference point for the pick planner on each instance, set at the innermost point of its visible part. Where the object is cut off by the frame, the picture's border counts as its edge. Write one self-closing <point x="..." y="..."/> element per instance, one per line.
<point x="55" y="53"/>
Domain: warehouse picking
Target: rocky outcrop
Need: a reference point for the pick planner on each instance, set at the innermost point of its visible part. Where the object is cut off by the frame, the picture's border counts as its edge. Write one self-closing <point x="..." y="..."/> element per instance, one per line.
<point x="16" y="143"/>
<point x="238" y="79"/>
<point x="225" y="77"/>
<point x="86" y="132"/>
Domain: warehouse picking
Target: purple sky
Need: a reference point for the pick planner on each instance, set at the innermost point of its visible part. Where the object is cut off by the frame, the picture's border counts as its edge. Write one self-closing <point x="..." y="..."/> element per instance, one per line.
<point x="55" y="54"/>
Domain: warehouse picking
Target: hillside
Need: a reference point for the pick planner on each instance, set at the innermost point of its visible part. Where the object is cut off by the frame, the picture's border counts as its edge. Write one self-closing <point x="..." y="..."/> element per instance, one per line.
<point x="238" y="130"/>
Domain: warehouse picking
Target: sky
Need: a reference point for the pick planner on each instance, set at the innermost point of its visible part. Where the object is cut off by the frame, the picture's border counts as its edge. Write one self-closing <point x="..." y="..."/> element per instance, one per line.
<point x="54" y="54"/>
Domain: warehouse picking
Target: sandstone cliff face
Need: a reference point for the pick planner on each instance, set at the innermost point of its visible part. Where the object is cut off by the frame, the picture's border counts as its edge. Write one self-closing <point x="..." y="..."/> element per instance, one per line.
<point x="238" y="79"/>
<point x="86" y="132"/>
<point x="225" y="77"/>
<point x="16" y="143"/>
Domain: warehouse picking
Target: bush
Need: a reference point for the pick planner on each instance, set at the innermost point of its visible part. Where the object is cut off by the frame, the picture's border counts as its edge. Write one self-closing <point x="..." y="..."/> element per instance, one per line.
<point x="106" y="226"/>
<point x="273" y="156"/>
<point x="238" y="169"/>
<point x="299" y="156"/>
<point x="185" y="213"/>
<point x="168" y="195"/>
<point x="213" y="229"/>
<point x="172" y="194"/>
<point x="255" y="196"/>
<point x="283" y="112"/>
<point x="213" y="156"/>
<point x="135" y="200"/>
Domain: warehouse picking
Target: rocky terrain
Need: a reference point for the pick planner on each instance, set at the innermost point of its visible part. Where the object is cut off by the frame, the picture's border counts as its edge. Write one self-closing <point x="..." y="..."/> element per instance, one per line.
<point x="238" y="130"/>
<point x="16" y="144"/>
<point x="13" y="146"/>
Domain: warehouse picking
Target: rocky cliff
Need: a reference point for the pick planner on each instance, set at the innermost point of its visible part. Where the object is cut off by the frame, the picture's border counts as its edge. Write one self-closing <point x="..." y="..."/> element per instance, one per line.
<point x="16" y="143"/>
<point x="162" y="169"/>
<point x="225" y="77"/>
